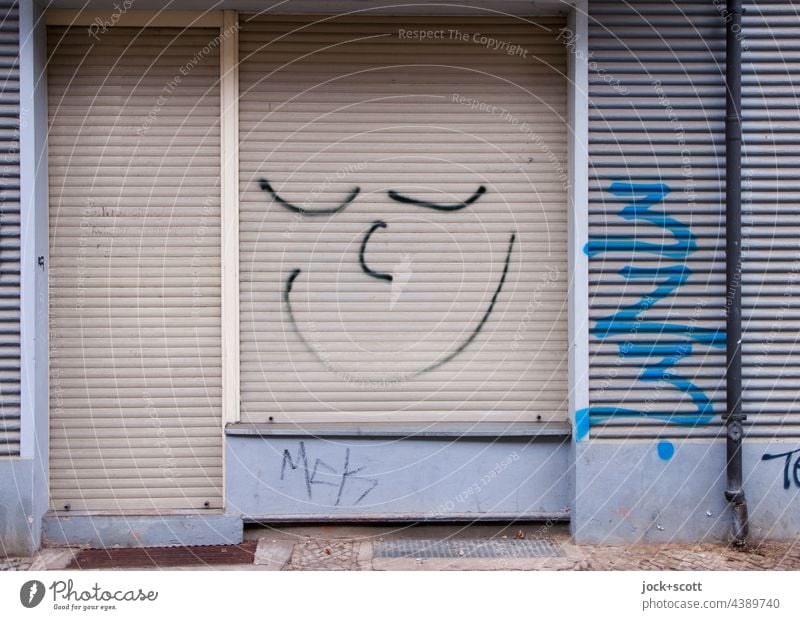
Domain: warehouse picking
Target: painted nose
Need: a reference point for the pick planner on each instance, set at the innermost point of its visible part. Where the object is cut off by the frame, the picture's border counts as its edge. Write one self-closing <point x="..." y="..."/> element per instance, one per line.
<point x="361" y="258"/>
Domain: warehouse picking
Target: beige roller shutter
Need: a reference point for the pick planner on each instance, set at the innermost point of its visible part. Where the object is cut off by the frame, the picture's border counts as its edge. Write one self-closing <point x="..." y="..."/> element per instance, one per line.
<point x="438" y="291"/>
<point x="134" y="159"/>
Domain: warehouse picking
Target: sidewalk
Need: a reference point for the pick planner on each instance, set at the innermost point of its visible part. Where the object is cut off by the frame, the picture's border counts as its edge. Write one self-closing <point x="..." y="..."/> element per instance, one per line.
<point x="428" y="547"/>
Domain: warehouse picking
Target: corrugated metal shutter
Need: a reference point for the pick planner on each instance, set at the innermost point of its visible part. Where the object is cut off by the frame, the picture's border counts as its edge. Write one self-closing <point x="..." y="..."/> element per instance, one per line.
<point x="657" y="260"/>
<point x="771" y="212"/>
<point x="134" y="161"/>
<point x="9" y="232"/>
<point x="365" y="105"/>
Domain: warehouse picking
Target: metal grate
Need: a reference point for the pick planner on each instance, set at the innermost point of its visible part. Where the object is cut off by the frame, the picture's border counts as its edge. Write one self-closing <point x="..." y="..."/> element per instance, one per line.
<point x="455" y="548"/>
<point x="166" y="557"/>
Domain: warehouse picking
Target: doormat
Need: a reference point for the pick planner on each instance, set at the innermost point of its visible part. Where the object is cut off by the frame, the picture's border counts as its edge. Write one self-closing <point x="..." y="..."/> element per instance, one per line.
<point x="467" y="548"/>
<point x="165" y="557"/>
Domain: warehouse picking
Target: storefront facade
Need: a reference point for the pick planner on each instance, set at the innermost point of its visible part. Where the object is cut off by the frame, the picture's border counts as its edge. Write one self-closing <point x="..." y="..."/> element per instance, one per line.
<point x="392" y="264"/>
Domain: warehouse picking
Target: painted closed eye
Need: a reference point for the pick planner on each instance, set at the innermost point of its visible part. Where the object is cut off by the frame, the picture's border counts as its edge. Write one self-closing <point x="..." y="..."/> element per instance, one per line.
<point x="267" y="187"/>
<point x="435" y="205"/>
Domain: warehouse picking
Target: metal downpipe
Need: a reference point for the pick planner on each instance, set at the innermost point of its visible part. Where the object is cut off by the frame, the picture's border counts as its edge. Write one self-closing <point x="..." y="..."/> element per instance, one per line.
<point x="734" y="492"/>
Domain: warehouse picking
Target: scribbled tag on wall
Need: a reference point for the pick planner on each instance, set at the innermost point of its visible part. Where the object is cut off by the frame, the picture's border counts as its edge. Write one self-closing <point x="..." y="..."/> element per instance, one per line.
<point x="649" y="331"/>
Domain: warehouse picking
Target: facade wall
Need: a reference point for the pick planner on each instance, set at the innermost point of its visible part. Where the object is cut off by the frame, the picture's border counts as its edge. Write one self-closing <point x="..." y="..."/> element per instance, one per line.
<point x="657" y="272"/>
<point x="647" y="461"/>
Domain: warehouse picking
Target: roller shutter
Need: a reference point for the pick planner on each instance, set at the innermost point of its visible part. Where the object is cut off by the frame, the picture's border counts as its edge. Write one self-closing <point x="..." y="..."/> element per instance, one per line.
<point x="438" y="291"/>
<point x="134" y="160"/>
<point x="656" y="218"/>
<point x="771" y="212"/>
<point x="9" y="233"/>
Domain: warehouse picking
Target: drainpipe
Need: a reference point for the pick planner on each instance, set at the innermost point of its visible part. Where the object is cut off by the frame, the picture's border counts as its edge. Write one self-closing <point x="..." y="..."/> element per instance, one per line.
<point x="733" y="417"/>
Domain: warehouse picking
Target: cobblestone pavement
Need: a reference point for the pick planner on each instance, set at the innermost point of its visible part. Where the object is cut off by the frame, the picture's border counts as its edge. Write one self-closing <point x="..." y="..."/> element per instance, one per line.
<point x="765" y="556"/>
<point x="343" y="548"/>
<point x="15" y="563"/>
<point x="321" y="554"/>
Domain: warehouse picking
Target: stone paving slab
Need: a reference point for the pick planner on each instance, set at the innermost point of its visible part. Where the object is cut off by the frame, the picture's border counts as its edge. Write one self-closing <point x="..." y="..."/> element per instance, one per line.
<point x="274" y="554"/>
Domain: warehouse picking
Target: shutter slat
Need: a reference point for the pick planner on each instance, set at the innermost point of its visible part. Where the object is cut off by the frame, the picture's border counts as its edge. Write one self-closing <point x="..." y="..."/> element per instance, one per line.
<point x="135" y="267"/>
<point x="322" y="110"/>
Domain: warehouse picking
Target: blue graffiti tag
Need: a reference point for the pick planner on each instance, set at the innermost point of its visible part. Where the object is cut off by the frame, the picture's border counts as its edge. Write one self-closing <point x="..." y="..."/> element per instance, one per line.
<point x="660" y="359"/>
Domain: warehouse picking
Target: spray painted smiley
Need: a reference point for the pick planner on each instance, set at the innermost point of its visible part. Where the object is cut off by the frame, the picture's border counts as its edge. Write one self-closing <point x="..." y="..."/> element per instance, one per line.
<point x="386" y="277"/>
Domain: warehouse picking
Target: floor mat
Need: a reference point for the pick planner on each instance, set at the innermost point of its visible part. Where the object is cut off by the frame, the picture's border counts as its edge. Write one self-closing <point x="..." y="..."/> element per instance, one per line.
<point x="165" y="557"/>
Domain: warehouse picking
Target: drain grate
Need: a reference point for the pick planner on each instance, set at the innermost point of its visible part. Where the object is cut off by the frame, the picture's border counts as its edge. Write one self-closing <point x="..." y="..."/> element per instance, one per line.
<point x="456" y="548"/>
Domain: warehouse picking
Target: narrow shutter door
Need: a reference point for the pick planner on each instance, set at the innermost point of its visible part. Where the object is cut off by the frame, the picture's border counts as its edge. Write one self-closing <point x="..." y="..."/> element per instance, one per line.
<point x="771" y="211"/>
<point x="134" y="159"/>
<point x="656" y="278"/>
<point x="402" y="311"/>
<point x="9" y="233"/>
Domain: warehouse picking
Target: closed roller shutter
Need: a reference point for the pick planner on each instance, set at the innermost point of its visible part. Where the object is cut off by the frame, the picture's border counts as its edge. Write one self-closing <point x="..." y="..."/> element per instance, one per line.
<point x="391" y="308"/>
<point x="656" y="218"/>
<point x="9" y="232"/>
<point x="771" y="212"/>
<point x="134" y="160"/>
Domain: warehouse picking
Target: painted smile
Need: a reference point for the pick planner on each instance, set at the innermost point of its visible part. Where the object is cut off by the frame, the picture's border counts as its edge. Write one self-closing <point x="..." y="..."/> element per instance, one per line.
<point x="386" y="277"/>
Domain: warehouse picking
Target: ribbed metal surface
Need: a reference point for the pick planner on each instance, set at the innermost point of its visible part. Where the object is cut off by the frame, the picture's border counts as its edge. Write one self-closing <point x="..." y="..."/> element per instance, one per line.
<point x="455" y="548"/>
<point x="353" y="102"/>
<point x="667" y="127"/>
<point x="771" y="213"/>
<point x="656" y="218"/>
<point x="135" y="334"/>
<point x="9" y="232"/>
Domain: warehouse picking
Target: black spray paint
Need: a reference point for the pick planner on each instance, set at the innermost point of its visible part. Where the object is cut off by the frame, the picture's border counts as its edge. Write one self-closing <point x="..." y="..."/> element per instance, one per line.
<point x="787" y="462"/>
<point x="290" y="280"/>
<point x="433" y="205"/>
<point x="342" y="477"/>
<point x="485" y="318"/>
<point x="364" y="267"/>
<point x="265" y="185"/>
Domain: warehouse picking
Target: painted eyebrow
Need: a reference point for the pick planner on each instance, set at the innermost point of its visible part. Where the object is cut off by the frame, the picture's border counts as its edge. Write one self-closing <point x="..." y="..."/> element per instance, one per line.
<point x="435" y="205"/>
<point x="267" y="187"/>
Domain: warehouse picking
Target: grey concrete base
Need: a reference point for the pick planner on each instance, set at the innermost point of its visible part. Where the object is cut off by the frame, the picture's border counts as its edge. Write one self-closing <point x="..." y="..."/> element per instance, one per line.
<point x="626" y="492"/>
<point x="142" y="530"/>
<point x="357" y="479"/>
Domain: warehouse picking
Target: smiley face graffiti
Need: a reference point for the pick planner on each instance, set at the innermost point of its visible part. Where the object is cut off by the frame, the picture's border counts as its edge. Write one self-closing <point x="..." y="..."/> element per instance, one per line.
<point x="403" y="227"/>
<point x="456" y="349"/>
